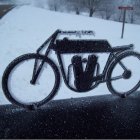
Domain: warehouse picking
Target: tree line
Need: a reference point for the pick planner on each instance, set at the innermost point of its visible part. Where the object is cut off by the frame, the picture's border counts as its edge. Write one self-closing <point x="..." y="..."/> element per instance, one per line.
<point x="106" y="9"/>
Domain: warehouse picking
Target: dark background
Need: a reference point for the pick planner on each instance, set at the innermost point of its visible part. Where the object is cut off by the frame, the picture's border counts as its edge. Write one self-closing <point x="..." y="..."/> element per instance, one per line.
<point x="104" y="116"/>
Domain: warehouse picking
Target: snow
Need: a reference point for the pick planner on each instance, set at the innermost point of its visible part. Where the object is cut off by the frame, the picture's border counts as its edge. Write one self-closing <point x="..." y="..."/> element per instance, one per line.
<point x="25" y="28"/>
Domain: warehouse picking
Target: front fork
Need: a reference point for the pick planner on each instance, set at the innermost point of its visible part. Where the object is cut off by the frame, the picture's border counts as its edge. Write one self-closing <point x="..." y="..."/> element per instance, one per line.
<point x="36" y="71"/>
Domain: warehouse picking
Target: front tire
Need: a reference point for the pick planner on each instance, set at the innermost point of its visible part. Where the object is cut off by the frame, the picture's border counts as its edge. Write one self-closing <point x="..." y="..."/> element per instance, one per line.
<point x="130" y="80"/>
<point x="19" y="72"/>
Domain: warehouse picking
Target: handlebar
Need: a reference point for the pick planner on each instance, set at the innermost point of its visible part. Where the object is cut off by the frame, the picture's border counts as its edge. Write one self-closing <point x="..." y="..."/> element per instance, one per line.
<point x="78" y="33"/>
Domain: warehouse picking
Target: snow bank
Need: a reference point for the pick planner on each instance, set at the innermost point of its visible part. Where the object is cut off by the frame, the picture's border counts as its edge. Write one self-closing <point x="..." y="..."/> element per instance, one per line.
<point x="25" y="28"/>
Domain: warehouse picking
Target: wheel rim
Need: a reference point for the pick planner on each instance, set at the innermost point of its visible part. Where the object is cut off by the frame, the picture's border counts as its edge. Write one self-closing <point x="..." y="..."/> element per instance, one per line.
<point x="28" y="94"/>
<point x="130" y="80"/>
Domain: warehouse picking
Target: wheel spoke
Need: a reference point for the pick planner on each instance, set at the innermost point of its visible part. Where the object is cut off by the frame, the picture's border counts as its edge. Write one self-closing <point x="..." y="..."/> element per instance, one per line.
<point x="116" y="78"/>
<point x="122" y="65"/>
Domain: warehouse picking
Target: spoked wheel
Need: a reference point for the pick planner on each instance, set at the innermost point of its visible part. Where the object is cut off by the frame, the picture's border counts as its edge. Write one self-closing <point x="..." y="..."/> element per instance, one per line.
<point x="123" y="76"/>
<point x="17" y="78"/>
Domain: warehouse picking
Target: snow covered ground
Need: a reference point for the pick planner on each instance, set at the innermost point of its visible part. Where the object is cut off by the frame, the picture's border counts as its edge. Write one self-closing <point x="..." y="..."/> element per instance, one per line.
<point x="25" y="28"/>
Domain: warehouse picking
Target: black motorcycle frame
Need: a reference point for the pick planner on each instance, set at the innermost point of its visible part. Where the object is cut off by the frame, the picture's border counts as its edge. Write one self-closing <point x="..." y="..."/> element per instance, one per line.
<point x="114" y="52"/>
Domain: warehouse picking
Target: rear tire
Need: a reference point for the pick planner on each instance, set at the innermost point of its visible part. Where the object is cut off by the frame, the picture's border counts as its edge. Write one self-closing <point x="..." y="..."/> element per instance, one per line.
<point x="13" y="67"/>
<point x="125" y="79"/>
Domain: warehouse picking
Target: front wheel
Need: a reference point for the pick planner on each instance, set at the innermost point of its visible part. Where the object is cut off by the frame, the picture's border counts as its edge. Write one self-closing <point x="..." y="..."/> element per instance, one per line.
<point x="17" y="76"/>
<point x="123" y="76"/>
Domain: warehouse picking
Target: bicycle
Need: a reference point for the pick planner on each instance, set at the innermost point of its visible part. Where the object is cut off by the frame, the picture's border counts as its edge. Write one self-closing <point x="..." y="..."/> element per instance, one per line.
<point x="84" y="80"/>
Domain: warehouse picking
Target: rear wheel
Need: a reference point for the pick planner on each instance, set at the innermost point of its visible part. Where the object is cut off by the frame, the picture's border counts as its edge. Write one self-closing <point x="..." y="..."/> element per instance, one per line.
<point x="123" y="76"/>
<point x="18" y="88"/>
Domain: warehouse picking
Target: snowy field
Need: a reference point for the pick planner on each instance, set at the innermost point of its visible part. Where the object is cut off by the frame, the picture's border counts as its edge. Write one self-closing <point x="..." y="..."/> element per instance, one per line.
<point x="25" y="28"/>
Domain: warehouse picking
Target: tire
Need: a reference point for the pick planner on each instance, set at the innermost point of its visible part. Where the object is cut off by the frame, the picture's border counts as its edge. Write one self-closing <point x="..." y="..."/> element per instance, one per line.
<point x="8" y="84"/>
<point x="115" y="65"/>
